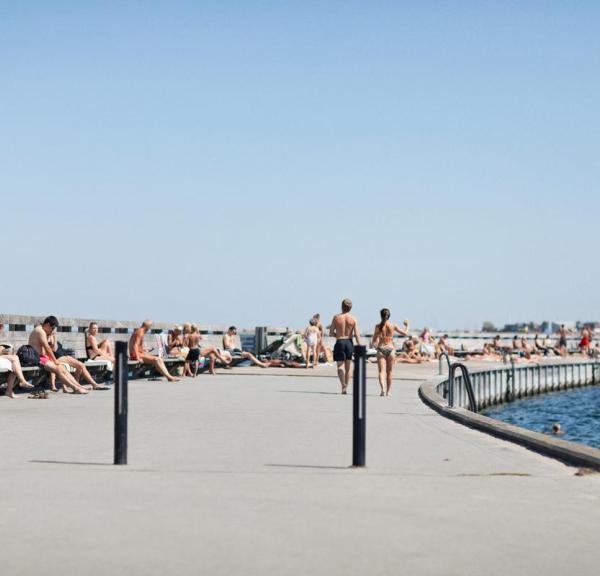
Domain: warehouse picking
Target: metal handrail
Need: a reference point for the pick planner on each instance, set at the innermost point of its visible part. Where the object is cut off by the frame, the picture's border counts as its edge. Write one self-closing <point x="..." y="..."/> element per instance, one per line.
<point x="468" y="385"/>
<point x="500" y="385"/>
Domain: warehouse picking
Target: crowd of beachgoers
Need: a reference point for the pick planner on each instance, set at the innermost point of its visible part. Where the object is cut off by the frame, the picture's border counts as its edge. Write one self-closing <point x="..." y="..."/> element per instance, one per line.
<point x="305" y="349"/>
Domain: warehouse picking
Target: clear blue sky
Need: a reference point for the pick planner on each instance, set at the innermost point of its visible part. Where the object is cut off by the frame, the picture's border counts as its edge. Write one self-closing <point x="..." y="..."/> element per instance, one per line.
<point x="255" y="162"/>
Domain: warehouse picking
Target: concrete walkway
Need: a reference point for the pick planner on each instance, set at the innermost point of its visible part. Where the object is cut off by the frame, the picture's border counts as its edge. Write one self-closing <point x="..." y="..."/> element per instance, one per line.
<point x="247" y="473"/>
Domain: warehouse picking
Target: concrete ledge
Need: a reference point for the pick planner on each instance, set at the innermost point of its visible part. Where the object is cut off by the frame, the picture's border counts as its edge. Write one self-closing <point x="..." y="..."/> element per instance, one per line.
<point x="567" y="452"/>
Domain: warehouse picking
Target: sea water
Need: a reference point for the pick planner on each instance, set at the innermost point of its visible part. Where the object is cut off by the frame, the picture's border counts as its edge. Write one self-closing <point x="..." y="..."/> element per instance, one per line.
<point x="577" y="411"/>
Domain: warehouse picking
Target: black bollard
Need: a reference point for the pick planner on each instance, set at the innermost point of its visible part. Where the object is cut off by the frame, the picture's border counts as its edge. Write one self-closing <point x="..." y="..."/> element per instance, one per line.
<point x="120" y="378"/>
<point x="359" y="399"/>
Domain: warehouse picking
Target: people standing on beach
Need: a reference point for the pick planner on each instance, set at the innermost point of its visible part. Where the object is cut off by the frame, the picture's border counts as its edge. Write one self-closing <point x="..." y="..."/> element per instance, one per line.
<point x="344" y="328"/>
<point x="320" y="342"/>
<point x="138" y="353"/>
<point x="311" y="338"/>
<point x="562" y="349"/>
<point x="584" y="343"/>
<point x="192" y="341"/>
<point x="383" y="341"/>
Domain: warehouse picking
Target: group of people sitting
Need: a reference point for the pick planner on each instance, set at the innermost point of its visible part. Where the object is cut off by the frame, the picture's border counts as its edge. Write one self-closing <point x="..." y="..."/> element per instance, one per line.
<point x="185" y="342"/>
<point x="44" y="350"/>
<point x="521" y="348"/>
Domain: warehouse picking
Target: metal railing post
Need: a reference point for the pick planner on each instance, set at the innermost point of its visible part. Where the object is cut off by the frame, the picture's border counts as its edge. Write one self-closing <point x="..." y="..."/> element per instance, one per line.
<point x="121" y="408"/>
<point x="451" y="386"/>
<point x="359" y="409"/>
<point x="444" y="354"/>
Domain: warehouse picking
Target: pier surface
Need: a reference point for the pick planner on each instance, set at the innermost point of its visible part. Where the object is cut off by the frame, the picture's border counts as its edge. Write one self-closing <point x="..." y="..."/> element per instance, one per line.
<point x="248" y="472"/>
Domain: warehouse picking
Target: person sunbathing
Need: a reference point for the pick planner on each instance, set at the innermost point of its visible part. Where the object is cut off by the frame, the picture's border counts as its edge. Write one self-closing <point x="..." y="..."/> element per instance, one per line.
<point x="410" y="353"/>
<point x="488" y="354"/>
<point x="528" y="351"/>
<point x="497" y="344"/>
<point x="138" y="353"/>
<point x="38" y="340"/>
<point x="97" y="350"/>
<point x="176" y="346"/>
<point x="443" y="347"/>
<point x="540" y="346"/>
<point x="230" y="346"/>
<point x="12" y="363"/>
<point x="80" y="369"/>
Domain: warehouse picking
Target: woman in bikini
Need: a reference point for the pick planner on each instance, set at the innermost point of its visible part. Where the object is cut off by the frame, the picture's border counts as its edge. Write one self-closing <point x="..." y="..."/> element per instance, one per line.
<point x="383" y="340"/>
<point x="95" y="350"/>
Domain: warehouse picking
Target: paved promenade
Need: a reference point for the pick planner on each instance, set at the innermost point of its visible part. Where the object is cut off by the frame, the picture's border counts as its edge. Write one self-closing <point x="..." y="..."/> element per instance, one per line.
<point x="247" y="473"/>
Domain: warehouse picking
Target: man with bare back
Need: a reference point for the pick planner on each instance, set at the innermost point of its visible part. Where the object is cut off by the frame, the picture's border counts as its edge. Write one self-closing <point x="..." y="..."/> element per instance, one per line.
<point x="38" y="340"/>
<point x="137" y="352"/>
<point x="344" y="328"/>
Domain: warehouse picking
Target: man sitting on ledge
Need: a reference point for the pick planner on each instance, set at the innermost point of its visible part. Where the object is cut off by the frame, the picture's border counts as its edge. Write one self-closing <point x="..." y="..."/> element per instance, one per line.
<point x="79" y="367"/>
<point x="38" y="340"/>
<point x="138" y="353"/>
<point x="230" y="345"/>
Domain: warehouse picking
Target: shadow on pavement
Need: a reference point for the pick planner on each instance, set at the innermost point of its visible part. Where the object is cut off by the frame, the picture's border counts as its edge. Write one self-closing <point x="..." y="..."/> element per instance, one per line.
<point x="71" y="463"/>
<point x="308" y="466"/>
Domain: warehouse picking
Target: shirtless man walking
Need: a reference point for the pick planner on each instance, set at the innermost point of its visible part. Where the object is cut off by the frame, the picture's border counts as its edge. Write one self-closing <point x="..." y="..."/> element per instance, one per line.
<point x="38" y="340"/>
<point x="139" y="353"/>
<point x="344" y="328"/>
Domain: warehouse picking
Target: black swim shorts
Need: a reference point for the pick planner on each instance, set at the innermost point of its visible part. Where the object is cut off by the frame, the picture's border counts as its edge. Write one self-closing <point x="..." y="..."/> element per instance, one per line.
<point x="193" y="355"/>
<point x="343" y="350"/>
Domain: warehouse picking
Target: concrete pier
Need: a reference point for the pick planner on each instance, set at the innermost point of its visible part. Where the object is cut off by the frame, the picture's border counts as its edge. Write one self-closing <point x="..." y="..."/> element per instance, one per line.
<point x="248" y="473"/>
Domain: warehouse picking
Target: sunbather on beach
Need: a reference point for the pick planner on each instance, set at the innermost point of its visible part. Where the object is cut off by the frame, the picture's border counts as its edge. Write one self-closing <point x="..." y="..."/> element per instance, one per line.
<point x="311" y="338"/>
<point x="497" y="344"/>
<point x="528" y="351"/>
<point x="344" y="327"/>
<point x="540" y="347"/>
<point x="80" y="369"/>
<point x="442" y="347"/>
<point x="230" y="346"/>
<point x="383" y="341"/>
<point x="488" y="353"/>
<point x="410" y="353"/>
<point x="176" y="346"/>
<point x="12" y="363"/>
<point x="278" y="363"/>
<point x="38" y="340"/>
<point x="138" y="353"/>
<point x="95" y="350"/>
